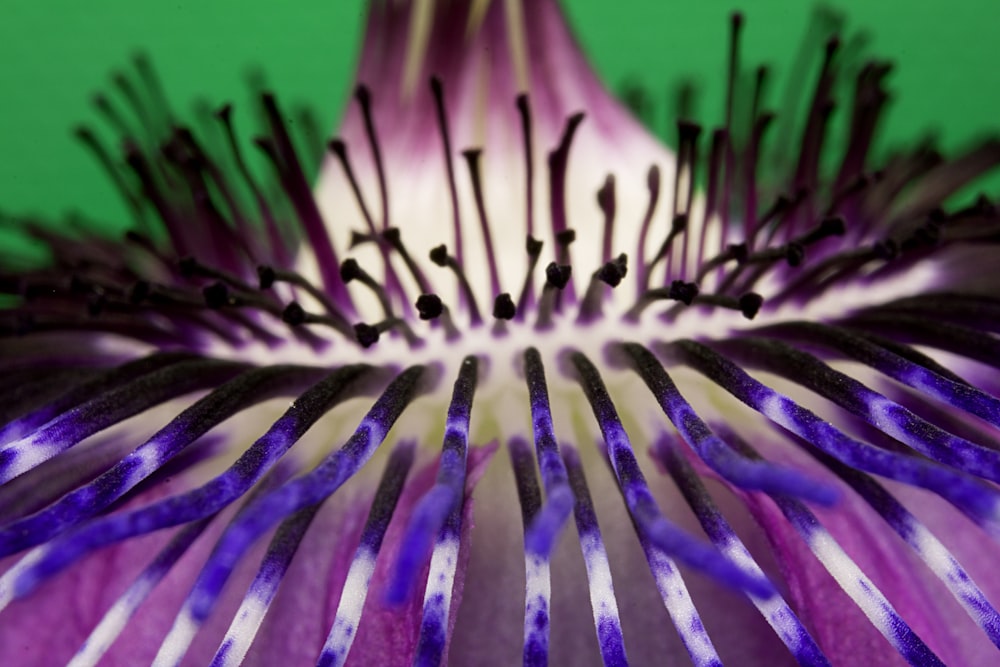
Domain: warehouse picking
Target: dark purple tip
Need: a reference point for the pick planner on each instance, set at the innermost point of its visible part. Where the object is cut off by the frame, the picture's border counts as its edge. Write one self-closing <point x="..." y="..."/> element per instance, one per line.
<point x="293" y="314"/>
<point x="558" y="275"/>
<point x="683" y="291"/>
<point x="349" y="270"/>
<point x="265" y="276"/>
<point x="750" y="304"/>
<point x="439" y="255"/>
<point x="216" y="295"/>
<point x="429" y="306"/>
<point x="503" y="307"/>
<point x="366" y="334"/>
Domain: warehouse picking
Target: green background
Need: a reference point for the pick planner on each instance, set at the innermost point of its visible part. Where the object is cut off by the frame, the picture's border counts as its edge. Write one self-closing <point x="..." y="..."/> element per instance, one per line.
<point x="55" y="54"/>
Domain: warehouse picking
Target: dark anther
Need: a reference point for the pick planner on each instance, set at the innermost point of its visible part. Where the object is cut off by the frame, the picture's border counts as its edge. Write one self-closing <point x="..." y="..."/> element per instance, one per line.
<point x="887" y="249"/>
<point x="750" y="304"/>
<point x="187" y="266"/>
<point x="439" y="255"/>
<point x="533" y="246"/>
<point x="216" y="295"/>
<point x="683" y="291"/>
<point x="557" y="275"/>
<point x="366" y="334"/>
<point x="350" y="270"/>
<point x="503" y="307"/>
<point x="266" y="276"/>
<point x="679" y="223"/>
<point x="139" y="291"/>
<point x="835" y="226"/>
<point x="614" y="271"/>
<point x="429" y="306"/>
<point x="293" y="314"/>
<point x="738" y="251"/>
<point x="565" y="237"/>
<point x="794" y="253"/>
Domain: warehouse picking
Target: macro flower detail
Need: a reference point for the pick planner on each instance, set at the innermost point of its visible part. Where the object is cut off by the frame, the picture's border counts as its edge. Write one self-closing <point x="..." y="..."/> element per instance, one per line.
<point x="511" y="383"/>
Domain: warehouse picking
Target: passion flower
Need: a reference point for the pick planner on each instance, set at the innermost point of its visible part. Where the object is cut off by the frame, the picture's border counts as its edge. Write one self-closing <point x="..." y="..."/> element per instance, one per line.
<point x="264" y="427"/>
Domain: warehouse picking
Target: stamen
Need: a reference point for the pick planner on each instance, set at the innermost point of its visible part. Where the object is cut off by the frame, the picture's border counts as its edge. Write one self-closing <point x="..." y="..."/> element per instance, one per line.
<point x="641" y="505"/>
<point x="295" y="315"/>
<point x="355" y="591"/>
<point x="677" y="291"/>
<point x="103" y="157"/>
<point x="438" y="92"/>
<point x="558" y="162"/>
<point x="363" y="96"/>
<point x="524" y="110"/>
<point x="350" y="270"/>
<point x="610" y="275"/>
<point x="279" y="252"/>
<point x="296" y="185"/>
<point x="440" y="256"/>
<point x="524" y="302"/>
<point x="339" y="148"/>
<point x="430" y="307"/>
<point x="653" y="185"/>
<point x="606" y="202"/>
<point x="557" y="277"/>
<point x="684" y="176"/>
<point x="472" y="159"/>
<point x="269" y="275"/>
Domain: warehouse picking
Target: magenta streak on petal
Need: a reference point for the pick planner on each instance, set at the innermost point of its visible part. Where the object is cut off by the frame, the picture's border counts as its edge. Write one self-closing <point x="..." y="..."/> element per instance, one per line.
<point x="641" y="505"/>
<point x="355" y="590"/>
<point x="774" y="609"/>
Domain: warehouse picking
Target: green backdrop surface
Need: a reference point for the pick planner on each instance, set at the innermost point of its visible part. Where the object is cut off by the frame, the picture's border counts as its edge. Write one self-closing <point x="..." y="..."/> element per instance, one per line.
<point x="55" y="54"/>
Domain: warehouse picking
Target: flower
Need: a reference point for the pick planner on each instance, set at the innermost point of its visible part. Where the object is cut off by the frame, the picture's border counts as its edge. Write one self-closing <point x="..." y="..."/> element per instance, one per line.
<point x="220" y="439"/>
